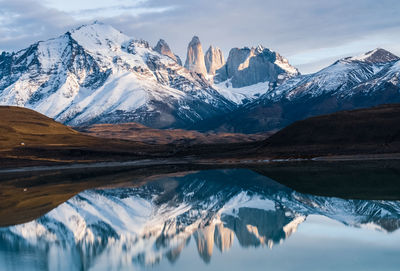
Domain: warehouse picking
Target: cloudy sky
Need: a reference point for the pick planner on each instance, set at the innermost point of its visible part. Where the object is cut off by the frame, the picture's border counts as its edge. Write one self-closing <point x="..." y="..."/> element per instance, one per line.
<point x="310" y="33"/>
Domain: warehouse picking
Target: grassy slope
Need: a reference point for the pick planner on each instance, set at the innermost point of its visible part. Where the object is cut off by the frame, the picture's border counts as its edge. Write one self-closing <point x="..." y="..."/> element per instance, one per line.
<point x="46" y="141"/>
<point x="19" y="125"/>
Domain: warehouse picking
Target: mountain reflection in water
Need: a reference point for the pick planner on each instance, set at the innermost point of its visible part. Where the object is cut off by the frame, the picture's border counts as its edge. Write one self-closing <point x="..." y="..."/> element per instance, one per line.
<point x="109" y="229"/>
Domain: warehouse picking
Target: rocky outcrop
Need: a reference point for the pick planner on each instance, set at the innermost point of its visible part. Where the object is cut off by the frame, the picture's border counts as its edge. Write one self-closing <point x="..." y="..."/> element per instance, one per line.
<point x="214" y="60"/>
<point x="162" y="47"/>
<point x="247" y="67"/>
<point x="195" y="57"/>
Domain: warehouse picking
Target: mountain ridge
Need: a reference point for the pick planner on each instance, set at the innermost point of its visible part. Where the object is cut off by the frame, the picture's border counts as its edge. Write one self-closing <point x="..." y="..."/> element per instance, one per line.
<point x="96" y="74"/>
<point x="346" y="84"/>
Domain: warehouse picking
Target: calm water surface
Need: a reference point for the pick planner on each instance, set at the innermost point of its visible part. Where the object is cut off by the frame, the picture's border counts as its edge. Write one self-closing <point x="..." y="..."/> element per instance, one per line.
<point x="208" y="220"/>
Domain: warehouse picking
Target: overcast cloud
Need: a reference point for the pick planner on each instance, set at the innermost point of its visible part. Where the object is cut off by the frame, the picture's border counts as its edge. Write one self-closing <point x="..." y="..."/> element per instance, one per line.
<point x="310" y="33"/>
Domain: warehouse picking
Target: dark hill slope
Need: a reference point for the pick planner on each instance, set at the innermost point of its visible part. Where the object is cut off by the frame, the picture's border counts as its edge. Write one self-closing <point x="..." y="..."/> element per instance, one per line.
<point x="364" y="131"/>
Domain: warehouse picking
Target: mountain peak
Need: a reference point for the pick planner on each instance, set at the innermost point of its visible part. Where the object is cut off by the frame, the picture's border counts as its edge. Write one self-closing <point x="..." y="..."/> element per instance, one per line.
<point x="195" y="57"/>
<point x="195" y="40"/>
<point x="163" y="48"/>
<point x="162" y="43"/>
<point x="260" y="48"/>
<point x="99" y="36"/>
<point x="97" y="28"/>
<point x="214" y="59"/>
<point x="98" y="22"/>
<point x="377" y="55"/>
<point x="89" y="26"/>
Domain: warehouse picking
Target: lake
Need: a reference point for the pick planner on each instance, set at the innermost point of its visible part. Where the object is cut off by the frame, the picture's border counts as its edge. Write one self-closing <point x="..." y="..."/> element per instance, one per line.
<point x="232" y="219"/>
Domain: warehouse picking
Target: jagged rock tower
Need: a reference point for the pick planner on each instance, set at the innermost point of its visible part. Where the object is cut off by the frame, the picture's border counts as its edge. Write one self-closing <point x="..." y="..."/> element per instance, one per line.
<point x="214" y="60"/>
<point x="163" y="48"/>
<point x="195" y="57"/>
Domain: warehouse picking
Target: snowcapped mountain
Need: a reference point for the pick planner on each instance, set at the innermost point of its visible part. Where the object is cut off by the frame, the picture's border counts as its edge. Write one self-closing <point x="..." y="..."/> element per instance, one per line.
<point x="350" y="83"/>
<point x="341" y="78"/>
<point x="250" y="72"/>
<point x="97" y="74"/>
<point x="143" y="225"/>
<point x="246" y="75"/>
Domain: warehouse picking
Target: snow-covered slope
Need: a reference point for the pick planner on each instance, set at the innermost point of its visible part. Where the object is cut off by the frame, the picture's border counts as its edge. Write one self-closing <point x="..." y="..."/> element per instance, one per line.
<point x="97" y="74"/>
<point x="155" y="221"/>
<point x="341" y="78"/>
<point x="242" y="95"/>
<point x="350" y="83"/>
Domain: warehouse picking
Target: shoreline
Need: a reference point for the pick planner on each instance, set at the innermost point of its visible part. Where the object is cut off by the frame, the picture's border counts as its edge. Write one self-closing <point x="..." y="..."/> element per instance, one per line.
<point x="193" y="161"/>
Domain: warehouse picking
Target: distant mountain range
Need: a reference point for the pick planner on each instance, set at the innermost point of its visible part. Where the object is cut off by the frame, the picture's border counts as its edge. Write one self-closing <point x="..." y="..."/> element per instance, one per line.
<point x="95" y="74"/>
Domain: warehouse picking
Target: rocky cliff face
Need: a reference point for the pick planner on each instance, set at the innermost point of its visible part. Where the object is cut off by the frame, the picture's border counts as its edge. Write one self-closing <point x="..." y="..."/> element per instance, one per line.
<point x="195" y="57"/>
<point x="249" y="66"/>
<point x="162" y="47"/>
<point x="214" y="60"/>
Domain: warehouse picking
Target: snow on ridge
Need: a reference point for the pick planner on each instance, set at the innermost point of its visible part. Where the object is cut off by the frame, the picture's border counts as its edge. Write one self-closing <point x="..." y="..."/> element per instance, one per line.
<point x="395" y="67"/>
<point x="244" y="200"/>
<point x="283" y="63"/>
<point x="51" y="51"/>
<point x="364" y="56"/>
<point x="129" y="213"/>
<point x="240" y="95"/>
<point x="117" y="93"/>
<point x="99" y="35"/>
<point x="378" y="56"/>
<point x="341" y="77"/>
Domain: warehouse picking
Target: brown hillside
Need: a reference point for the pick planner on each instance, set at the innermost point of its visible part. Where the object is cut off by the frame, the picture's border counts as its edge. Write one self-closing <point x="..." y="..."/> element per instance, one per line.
<point x="141" y="133"/>
<point x="30" y="138"/>
<point x="20" y="125"/>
